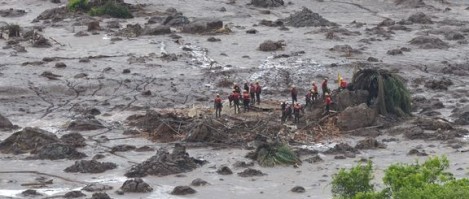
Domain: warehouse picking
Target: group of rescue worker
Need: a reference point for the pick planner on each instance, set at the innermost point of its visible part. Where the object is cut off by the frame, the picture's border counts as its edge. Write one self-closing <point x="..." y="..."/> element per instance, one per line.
<point x="251" y="95"/>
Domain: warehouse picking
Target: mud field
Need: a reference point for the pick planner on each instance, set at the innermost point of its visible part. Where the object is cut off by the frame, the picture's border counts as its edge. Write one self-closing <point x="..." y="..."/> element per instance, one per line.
<point x="124" y="106"/>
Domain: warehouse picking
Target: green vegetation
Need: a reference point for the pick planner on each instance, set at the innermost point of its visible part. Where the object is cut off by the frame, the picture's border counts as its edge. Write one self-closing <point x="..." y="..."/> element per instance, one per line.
<point x="269" y="155"/>
<point x="403" y="181"/>
<point x="392" y="94"/>
<point x="77" y="5"/>
<point x="112" y="9"/>
<point x="14" y="30"/>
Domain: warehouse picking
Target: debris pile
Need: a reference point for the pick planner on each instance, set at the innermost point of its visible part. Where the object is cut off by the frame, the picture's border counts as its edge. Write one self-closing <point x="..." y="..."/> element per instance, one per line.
<point x="90" y="166"/>
<point x="307" y="18"/>
<point x="27" y="140"/>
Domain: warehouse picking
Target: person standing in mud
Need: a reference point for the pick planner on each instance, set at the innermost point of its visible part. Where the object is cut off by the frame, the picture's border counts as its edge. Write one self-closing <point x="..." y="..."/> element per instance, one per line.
<point x="236" y="97"/>
<point x="324" y="88"/>
<point x="252" y="92"/>
<point x="288" y="111"/>
<point x="218" y="105"/>
<point x="294" y="94"/>
<point x="296" y="112"/>
<point x="308" y="101"/>
<point x="246" y="101"/>
<point x="328" y="102"/>
<point x="342" y="84"/>
<point x="236" y="88"/>
<point x="246" y="86"/>
<point x="315" y="92"/>
<point x="283" y="107"/>
<point x="258" y="92"/>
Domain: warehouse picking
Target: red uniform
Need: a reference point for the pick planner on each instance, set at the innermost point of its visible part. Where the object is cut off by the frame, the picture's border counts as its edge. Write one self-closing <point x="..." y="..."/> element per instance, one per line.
<point x="218" y="106"/>
<point x="328" y="102"/>
<point x="343" y="84"/>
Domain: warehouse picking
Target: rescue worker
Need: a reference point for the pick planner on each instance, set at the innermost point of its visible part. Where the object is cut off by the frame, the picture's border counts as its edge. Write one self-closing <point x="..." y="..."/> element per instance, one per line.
<point x="283" y="107"/>
<point x="296" y="112"/>
<point x="236" y="98"/>
<point x="328" y="102"/>
<point x="246" y="101"/>
<point x="230" y="99"/>
<point x="294" y="94"/>
<point x="288" y="112"/>
<point x="308" y="101"/>
<point x="343" y="84"/>
<point x="218" y="105"/>
<point x="324" y="87"/>
<point x="246" y="86"/>
<point x="236" y="88"/>
<point x="258" y="92"/>
<point x="252" y="92"/>
<point x="315" y="92"/>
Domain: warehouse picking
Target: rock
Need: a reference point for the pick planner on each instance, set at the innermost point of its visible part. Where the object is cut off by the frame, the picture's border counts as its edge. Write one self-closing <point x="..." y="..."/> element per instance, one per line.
<point x="269" y="23"/>
<point x="136" y="185"/>
<point x="51" y="76"/>
<point x="126" y="71"/>
<point x="224" y="170"/>
<point x="94" y="26"/>
<point x="90" y="166"/>
<point x="213" y="39"/>
<point x="251" y="173"/>
<point x="372" y="59"/>
<point x="461" y="115"/>
<point x="198" y="27"/>
<point x="93" y="187"/>
<point x="441" y="84"/>
<point x="182" y="190"/>
<point x="461" y="69"/>
<point x="54" y="14"/>
<point x="452" y="35"/>
<point x="414" y="133"/>
<point x="199" y="182"/>
<point x="410" y="3"/>
<point x="26" y="140"/>
<point x="158" y="30"/>
<point x="270" y="45"/>
<point x="417" y="152"/>
<point x="30" y="193"/>
<point x="267" y="3"/>
<point x="420" y="18"/>
<point x="131" y="132"/>
<point x="55" y="1"/>
<point x="251" y="31"/>
<point x="123" y="148"/>
<point x="176" y="20"/>
<point x="341" y="148"/>
<point x="387" y="22"/>
<point x="12" y="12"/>
<point x="307" y="18"/>
<point x="348" y="50"/>
<point x="394" y="52"/>
<point x="429" y="42"/>
<point x="356" y="117"/>
<point x="85" y="124"/>
<point x="298" y="189"/>
<point x="305" y="152"/>
<point x="314" y="159"/>
<point x="74" y="194"/>
<point x="144" y="149"/>
<point x="81" y="34"/>
<point x="100" y="195"/>
<point x="5" y="123"/>
<point x="84" y="60"/>
<point x="40" y="41"/>
<point x="348" y="98"/>
<point x="164" y="163"/>
<point x="369" y="143"/>
<point x="242" y="164"/>
<point x="73" y="139"/>
<point x="57" y="151"/>
<point x="432" y="124"/>
<point x="131" y="30"/>
<point x="113" y="24"/>
<point x="60" y="65"/>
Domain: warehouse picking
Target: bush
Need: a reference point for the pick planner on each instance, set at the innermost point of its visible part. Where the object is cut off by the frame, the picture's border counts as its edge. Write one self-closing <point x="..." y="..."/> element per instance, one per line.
<point x="112" y="9"/>
<point x="269" y="155"/>
<point x="403" y="181"/>
<point x="13" y="30"/>
<point x="75" y="5"/>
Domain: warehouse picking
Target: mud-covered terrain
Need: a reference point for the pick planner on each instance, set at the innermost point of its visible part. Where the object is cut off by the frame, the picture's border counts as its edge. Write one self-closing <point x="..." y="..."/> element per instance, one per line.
<point x="124" y="106"/>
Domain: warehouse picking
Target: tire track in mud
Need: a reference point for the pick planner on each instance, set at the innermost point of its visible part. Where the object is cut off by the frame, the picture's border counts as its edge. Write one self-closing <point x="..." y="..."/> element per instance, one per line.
<point x="38" y="93"/>
<point x="375" y="13"/>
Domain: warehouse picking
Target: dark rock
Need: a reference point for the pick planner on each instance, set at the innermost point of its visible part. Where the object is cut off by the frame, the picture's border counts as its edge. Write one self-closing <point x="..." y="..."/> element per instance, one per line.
<point x="341" y="148"/>
<point x="113" y="24"/>
<point x="93" y="187"/>
<point x="50" y="75"/>
<point x="126" y="71"/>
<point x="314" y="159"/>
<point x="30" y="193"/>
<point x="213" y="39"/>
<point x="100" y="195"/>
<point x="372" y="59"/>
<point x="394" y="52"/>
<point x="429" y="42"/>
<point x="242" y="164"/>
<point x="146" y="93"/>
<point x="5" y="123"/>
<point x="251" y="173"/>
<point x="12" y="12"/>
<point x="94" y="26"/>
<point x="60" y="65"/>
<point x="340" y="157"/>
<point x="356" y="117"/>
<point x="369" y="143"/>
<point x="175" y="19"/>
<point x="348" y="98"/>
<point x="198" y="27"/>
<point x="269" y="23"/>
<point x="90" y="166"/>
<point x="164" y="163"/>
<point x="307" y="18"/>
<point x="73" y="139"/>
<point x="131" y="30"/>
<point x="54" y="14"/>
<point x="136" y="185"/>
<point x="85" y="124"/>
<point x="267" y="3"/>
<point x="74" y="194"/>
<point x="387" y="22"/>
<point x="432" y="124"/>
<point x="348" y="50"/>
<point x="182" y="190"/>
<point x="26" y="140"/>
<point x="454" y="36"/>
<point x="57" y="151"/>
<point x="144" y="149"/>
<point x="123" y="148"/>
<point x="420" y="18"/>
<point x="461" y="69"/>
<point x="199" y="182"/>
<point x="298" y="189"/>
<point x="98" y="156"/>
<point x="417" y="152"/>
<point x="158" y="30"/>
<point x="269" y="45"/>
<point x="81" y="34"/>
<point x="461" y="115"/>
<point x="251" y="31"/>
<point x="224" y="170"/>
<point x="39" y="41"/>
<point x="441" y="84"/>
<point x="84" y="60"/>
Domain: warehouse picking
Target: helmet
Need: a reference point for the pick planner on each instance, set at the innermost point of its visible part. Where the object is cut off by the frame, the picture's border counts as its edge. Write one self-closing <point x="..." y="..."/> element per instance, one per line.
<point x="293" y="86"/>
<point x="327" y="94"/>
<point x="218" y="95"/>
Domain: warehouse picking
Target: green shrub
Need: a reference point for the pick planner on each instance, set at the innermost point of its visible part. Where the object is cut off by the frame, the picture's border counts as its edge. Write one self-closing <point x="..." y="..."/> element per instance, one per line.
<point x="13" y="30"/>
<point x="75" y="5"/>
<point x="347" y="183"/>
<point x="269" y="155"/>
<point x="112" y="9"/>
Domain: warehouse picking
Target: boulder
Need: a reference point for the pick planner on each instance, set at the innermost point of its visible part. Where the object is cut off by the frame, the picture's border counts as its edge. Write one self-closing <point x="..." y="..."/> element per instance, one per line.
<point x="224" y="170"/>
<point x="100" y="195"/>
<point x="57" y="151"/>
<point x="270" y="45"/>
<point x="136" y="185"/>
<point x="199" y="182"/>
<point x="157" y="30"/>
<point x="94" y="26"/>
<point x="341" y="148"/>
<point x="347" y="98"/>
<point x="203" y="26"/>
<point x="461" y="115"/>
<point x="355" y="117"/>
<point x="73" y="139"/>
<point x="27" y="140"/>
<point x="429" y="42"/>
<point x="307" y="18"/>
<point x="182" y="190"/>
<point x="5" y="123"/>
<point x="94" y="187"/>
<point x="369" y="143"/>
<point x="90" y="166"/>
<point x="74" y="194"/>
<point x="250" y="173"/>
<point x="298" y="189"/>
<point x="267" y="3"/>
<point x="54" y="14"/>
<point x="85" y="124"/>
<point x="123" y="148"/>
<point x="439" y="84"/>
<point x="175" y="19"/>
<point x="420" y="18"/>
<point x="165" y="163"/>
<point x="432" y="124"/>
<point x="30" y="193"/>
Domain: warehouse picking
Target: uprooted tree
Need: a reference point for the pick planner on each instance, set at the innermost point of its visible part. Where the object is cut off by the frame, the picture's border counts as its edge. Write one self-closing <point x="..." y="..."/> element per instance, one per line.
<point x="387" y="88"/>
